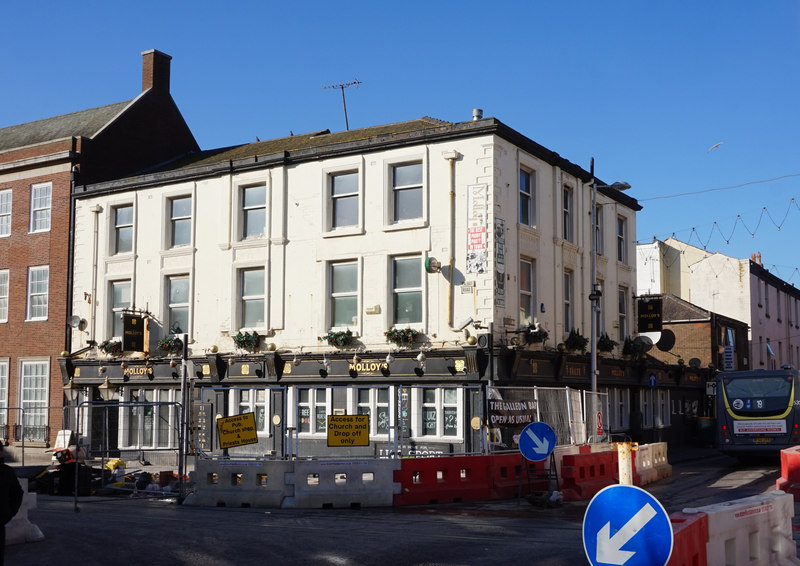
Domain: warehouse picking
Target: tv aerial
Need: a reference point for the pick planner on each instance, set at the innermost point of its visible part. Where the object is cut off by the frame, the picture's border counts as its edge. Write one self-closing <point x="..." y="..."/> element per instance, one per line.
<point x="342" y="86"/>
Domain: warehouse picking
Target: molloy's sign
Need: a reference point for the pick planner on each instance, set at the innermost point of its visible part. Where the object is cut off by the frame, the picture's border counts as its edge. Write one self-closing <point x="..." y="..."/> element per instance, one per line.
<point x="348" y="430"/>
<point x="132" y="333"/>
<point x="237" y="430"/>
<point x="649" y="315"/>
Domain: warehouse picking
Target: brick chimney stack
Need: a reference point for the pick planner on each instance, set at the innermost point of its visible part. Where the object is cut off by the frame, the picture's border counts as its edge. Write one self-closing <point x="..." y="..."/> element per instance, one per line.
<point x="155" y="70"/>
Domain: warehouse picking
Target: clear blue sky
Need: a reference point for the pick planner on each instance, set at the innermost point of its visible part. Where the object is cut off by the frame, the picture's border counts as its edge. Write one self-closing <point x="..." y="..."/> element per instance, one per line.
<point x="646" y="88"/>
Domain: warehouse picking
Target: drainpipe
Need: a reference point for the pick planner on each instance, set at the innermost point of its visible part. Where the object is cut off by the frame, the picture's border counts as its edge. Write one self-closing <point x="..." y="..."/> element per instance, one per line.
<point x="70" y="255"/>
<point x="452" y="156"/>
<point x="96" y="210"/>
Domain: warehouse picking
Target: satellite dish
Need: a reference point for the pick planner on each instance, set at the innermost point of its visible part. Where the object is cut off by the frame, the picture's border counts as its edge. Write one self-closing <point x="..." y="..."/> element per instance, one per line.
<point x="667" y="340"/>
<point x="74" y="321"/>
<point x="694" y="363"/>
<point x="642" y="344"/>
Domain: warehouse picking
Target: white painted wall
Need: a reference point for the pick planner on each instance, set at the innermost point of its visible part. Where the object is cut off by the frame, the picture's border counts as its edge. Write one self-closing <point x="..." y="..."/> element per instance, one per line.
<point x="297" y="249"/>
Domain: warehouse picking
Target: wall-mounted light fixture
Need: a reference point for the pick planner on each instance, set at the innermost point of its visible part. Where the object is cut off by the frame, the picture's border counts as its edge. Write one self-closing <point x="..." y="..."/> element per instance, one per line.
<point x="389" y="358"/>
<point x="356" y="359"/>
<point x="71" y="390"/>
<point x="107" y="390"/>
<point x="421" y="358"/>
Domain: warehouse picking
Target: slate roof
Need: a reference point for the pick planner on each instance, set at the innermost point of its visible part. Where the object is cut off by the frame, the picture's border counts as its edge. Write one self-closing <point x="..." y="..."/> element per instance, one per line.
<point x="85" y="123"/>
<point x="307" y="141"/>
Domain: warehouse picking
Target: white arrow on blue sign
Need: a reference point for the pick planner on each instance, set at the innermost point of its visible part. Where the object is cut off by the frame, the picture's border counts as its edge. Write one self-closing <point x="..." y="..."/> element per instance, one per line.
<point x="626" y="525"/>
<point x="537" y="441"/>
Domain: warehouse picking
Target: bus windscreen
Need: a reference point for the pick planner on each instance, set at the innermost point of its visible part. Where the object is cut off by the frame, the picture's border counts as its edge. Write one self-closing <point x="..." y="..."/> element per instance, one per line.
<point x="758" y="396"/>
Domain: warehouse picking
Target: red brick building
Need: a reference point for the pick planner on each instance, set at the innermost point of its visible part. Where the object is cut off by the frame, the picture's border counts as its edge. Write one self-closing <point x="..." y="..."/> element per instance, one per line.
<point x="40" y="163"/>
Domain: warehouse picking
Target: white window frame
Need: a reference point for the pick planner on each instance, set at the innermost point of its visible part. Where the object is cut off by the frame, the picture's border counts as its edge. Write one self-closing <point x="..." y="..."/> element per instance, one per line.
<point x="242" y="299"/>
<point x="622" y="312"/>
<point x="397" y="291"/>
<point x="4" y="366"/>
<point x="390" y="222"/>
<point x="41" y="207"/>
<point x="647" y="407"/>
<point x="568" y="290"/>
<point x="116" y="310"/>
<point x="439" y="404"/>
<point x="599" y="238"/>
<point x="332" y="296"/>
<point x="118" y="227"/>
<point x="33" y="397"/>
<point x="245" y="209"/>
<point x="173" y="220"/>
<point x="39" y="292"/>
<point x="6" y="205"/>
<point x="5" y="286"/>
<point x="372" y="405"/>
<point x="568" y="213"/>
<point x="333" y="199"/>
<point x="622" y="245"/>
<point x="527" y="297"/>
<point x="238" y="406"/>
<point x="619" y="406"/>
<point x="661" y="408"/>
<point x="527" y="199"/>
<point x="168" y="322"/>
<point x="313" y="404"/>
<point x="172" y="417"/>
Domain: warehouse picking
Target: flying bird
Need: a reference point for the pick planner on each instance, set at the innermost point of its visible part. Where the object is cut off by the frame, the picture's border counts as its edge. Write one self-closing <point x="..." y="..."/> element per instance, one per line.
<point x="715" y="146"/>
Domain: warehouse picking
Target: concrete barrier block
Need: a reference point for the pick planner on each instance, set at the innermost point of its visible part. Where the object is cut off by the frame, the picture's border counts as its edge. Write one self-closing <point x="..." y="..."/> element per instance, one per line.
<point x="754" y="531"/>
<point x="343" y="483"/>
<point x="247" y="483"/>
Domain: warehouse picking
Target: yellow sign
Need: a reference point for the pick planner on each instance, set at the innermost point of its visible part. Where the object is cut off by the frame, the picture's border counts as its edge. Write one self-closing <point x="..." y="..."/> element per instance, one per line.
<point x="348" y="430"/>
<point x="238" y="430"/>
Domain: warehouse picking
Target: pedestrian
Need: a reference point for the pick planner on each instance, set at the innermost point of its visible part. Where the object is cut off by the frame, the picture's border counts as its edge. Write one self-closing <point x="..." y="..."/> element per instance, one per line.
<point x="10" y="499"/>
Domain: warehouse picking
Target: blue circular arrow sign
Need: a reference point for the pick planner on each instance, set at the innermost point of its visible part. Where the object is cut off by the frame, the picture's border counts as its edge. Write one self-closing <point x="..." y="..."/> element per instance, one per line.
<point x="626" y="525"/>
<point x="537" y="441"/>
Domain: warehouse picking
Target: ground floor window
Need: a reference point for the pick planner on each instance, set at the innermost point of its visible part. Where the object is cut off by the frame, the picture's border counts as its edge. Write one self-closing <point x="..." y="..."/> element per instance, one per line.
<point x="655" y="410"/>
<point x="374" y="402"/>
<point x="150" y="418"/>
<point x="313" y="406"/>
<point x="619" y="408"/>
<point x="34" y="377"/>
<point x="252" y="401"/>
<point x="438" y="411"/>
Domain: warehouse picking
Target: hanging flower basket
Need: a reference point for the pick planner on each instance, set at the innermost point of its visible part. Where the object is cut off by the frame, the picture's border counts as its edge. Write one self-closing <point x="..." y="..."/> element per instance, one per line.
<point x="170" y="344"/>
<point x="401" y="336"/>
<point x="536" y="336"/>
<point x="340" y="338"/>
<point x="575" y="341"/>
<point x="605" y="343"/>
<point x="247" y="341"/>
<point x="111" y="347"/>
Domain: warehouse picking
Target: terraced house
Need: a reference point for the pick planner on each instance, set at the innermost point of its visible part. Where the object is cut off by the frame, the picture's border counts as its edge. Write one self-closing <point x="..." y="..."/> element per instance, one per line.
<point x="39" y="164"/>
<point x="396" y="272"/>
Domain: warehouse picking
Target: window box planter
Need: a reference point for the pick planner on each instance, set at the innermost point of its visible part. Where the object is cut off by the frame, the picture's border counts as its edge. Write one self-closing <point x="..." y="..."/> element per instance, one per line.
<point x="340" y="338"/>
<point x="401" y="336"/>
<point x="110" y="347"/>
<point x="247" y="340"/>
<point x="170" y="345"/>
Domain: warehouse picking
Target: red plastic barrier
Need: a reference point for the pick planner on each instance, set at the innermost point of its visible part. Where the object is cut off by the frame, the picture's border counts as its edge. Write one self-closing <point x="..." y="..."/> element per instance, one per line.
<point x="690" y="538"/>
<point x="443" y="480"/>
<point x="583" y="475"/>
<point x="789" y="482"/>
<point x="511" y="476"/>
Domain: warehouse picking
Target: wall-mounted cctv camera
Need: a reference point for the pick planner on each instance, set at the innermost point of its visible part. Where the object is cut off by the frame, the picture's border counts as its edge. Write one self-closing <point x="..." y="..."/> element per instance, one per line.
<point x="465" y="323"/>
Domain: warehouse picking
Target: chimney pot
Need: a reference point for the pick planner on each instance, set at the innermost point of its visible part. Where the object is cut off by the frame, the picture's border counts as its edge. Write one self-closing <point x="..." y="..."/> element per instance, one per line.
<point x="155" y="70"/>
<point x="477" y="114"/>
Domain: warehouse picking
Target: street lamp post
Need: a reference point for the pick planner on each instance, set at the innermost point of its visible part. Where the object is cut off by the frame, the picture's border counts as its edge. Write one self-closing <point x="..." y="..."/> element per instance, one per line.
<point x="596" y="293"/>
